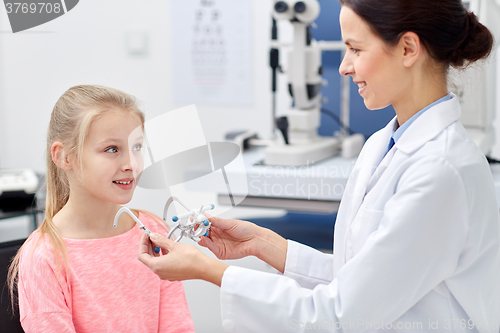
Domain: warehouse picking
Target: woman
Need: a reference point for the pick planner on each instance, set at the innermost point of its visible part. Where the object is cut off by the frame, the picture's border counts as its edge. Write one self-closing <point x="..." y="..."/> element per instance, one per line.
<point x="417" y="237"/>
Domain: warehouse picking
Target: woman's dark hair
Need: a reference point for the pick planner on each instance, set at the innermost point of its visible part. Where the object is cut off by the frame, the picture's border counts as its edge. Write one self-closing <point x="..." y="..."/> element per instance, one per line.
<point x="451" y="34"/>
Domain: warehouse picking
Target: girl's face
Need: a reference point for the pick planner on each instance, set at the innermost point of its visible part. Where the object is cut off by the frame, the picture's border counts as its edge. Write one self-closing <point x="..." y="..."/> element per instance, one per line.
<point x="370" y="62"/>
<point x="112" y="157"/>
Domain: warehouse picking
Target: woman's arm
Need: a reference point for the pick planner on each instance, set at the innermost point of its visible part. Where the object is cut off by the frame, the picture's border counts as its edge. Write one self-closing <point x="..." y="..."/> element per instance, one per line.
<point x="235" y="239"/>
<point x="271" y="248"/>
<point x="227" y="239"/>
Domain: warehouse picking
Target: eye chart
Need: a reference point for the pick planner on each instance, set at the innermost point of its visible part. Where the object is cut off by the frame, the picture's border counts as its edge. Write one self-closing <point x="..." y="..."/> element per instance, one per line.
<point x="211" y="45"/>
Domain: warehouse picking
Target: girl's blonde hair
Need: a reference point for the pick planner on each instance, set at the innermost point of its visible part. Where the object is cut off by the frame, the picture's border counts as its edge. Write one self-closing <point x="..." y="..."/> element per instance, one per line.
<point x="69" y="124"/>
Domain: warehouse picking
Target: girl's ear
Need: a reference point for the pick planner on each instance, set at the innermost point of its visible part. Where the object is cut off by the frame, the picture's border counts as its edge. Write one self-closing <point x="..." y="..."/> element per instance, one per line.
<point x="411" y="48"/>
<point x="60" y="156"/>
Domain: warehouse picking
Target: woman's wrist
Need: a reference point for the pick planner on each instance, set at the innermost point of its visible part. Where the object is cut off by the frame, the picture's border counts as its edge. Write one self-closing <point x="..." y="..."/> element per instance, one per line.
<point x="267" y="245"/>
<point x="271" y="248"/>
<point x="212" y="270"/>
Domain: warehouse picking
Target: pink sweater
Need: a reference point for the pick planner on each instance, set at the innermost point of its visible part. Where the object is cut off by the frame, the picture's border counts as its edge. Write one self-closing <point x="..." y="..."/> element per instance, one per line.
<point x="105" y="289"/>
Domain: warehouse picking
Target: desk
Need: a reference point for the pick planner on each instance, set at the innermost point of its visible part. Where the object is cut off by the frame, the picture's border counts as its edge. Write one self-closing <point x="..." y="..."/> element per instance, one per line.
<point x="313" y="188"/>
<point x="32" y="212"/>
<point x="33" y="208"/>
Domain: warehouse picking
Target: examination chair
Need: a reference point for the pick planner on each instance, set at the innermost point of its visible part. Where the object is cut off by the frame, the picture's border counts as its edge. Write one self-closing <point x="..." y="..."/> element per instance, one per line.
<point x="9" y="322"/>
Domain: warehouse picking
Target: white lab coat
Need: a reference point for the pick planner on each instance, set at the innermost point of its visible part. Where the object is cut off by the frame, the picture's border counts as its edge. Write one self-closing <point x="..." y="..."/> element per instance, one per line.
<point x="416" y="246"/>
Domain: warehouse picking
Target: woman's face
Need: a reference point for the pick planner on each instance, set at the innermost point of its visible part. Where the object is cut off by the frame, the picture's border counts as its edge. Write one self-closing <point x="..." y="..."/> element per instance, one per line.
<point x="373" y="65"/>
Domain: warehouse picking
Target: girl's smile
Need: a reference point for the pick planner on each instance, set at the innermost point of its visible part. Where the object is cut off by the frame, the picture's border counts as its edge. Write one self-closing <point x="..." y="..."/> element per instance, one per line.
<point x="125" y="184"/>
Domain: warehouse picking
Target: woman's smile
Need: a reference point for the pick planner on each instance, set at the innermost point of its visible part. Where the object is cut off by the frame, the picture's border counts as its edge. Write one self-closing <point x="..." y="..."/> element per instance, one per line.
<point x="361" y="86"/>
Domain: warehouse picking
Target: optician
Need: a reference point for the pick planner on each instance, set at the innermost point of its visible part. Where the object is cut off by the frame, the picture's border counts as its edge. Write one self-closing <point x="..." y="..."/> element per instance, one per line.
<point x="417" y="236"/>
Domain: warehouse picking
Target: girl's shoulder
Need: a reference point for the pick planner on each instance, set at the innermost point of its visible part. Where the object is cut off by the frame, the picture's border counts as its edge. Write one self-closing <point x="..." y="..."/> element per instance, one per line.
<point x="37" y="251"/>
<point x="37" y="243"/>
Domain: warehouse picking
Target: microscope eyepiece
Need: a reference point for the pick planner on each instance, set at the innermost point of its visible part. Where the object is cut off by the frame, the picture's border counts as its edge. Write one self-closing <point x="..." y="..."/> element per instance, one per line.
<point x="281" y="7"/>
<point x="299" y="7"/>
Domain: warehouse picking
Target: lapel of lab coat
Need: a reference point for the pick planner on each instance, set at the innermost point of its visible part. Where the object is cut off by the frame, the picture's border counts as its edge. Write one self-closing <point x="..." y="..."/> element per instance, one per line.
<point x="372" y="162"/>
<point x="370" y="157"/>
<point x="425" y="128"/>
<point x="373" y="156"/>
<point x="429" y="125"/>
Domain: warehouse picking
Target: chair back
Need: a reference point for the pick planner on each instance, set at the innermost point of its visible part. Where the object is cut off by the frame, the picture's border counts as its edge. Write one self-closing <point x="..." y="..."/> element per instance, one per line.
<point x="9" y="322"/>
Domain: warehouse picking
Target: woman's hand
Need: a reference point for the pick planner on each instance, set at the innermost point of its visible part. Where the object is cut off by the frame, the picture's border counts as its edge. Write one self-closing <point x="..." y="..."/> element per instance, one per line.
<point x="234" y="239"/>
<point x="179" y="261"/>
<point x="231" y="239"/>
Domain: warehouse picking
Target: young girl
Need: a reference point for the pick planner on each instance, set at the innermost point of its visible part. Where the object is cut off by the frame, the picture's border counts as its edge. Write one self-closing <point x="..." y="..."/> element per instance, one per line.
<point x="76" y="272"/>
<point x="417" y="236"/>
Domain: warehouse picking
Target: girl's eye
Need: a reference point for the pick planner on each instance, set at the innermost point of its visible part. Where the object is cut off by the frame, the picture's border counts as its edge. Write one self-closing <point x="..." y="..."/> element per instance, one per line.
<point x="137" y="147"/>
<point x="354" y="50"/>
<point x="111" y="150"/>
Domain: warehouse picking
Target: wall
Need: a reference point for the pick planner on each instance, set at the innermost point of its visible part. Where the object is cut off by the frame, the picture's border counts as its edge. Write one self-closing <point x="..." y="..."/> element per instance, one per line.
<point x="87" y="45"/>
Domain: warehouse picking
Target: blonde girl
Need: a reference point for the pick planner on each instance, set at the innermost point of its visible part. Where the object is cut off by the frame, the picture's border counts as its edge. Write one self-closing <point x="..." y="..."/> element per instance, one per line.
<point x="76" y="272"/>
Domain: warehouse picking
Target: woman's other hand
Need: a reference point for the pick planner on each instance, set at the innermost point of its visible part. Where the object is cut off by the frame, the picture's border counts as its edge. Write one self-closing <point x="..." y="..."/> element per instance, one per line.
<point x="234" y="239"/>
<point x="230" y="239"/>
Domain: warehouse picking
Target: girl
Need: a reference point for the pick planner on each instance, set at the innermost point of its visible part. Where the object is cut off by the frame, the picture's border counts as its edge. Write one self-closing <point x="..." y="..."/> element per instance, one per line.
<point x="76" y="272"/>
<point x="417" y="237"/>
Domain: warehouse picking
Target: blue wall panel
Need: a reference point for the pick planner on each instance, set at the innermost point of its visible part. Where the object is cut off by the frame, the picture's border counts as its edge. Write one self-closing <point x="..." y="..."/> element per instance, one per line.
<point x="362" y="120"/>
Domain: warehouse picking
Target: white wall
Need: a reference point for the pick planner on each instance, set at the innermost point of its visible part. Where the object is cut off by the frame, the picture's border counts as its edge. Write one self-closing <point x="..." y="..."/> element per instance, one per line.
<point x="87" y="45"/>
